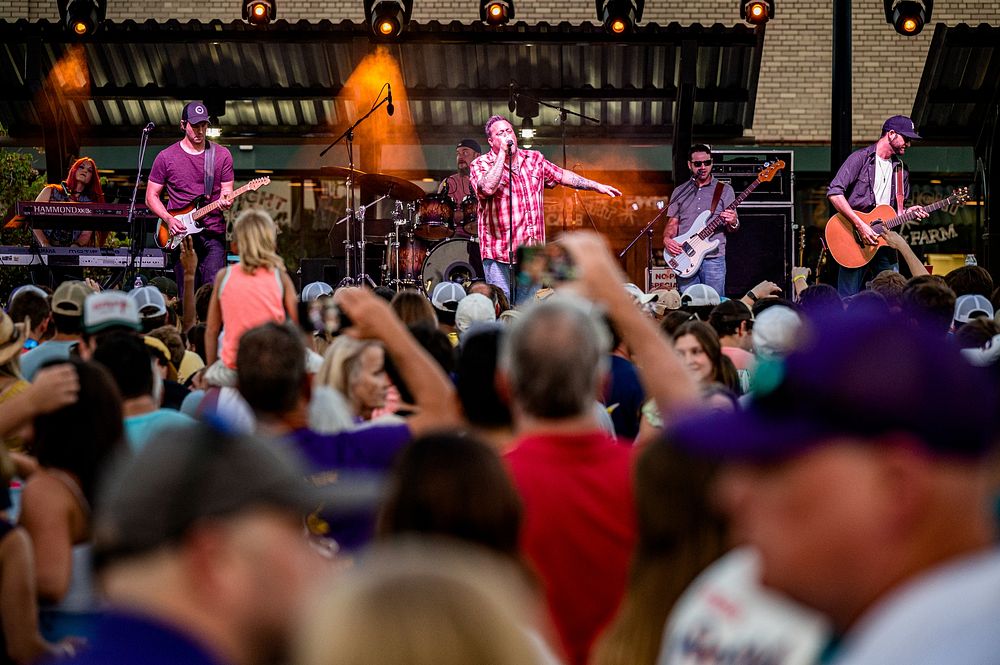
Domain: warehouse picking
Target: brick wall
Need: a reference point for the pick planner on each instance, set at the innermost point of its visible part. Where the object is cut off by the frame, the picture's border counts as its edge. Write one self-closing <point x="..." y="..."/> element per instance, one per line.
<point x="793" y="97"/>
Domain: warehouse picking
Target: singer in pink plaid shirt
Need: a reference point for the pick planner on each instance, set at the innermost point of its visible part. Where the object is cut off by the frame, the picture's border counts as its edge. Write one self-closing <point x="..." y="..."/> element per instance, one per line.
<point x="491" y="181"/>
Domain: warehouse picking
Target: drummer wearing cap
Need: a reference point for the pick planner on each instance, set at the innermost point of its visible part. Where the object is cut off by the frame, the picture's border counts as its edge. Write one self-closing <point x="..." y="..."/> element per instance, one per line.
<point x="457" y="184"/>
<point x="868" y="178"/>
<point x="180" y="170"/>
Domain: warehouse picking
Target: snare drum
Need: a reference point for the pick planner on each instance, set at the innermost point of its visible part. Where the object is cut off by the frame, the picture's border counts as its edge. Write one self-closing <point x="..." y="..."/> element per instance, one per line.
<point x="435" y="217"/>
<point x="456" y="260"/>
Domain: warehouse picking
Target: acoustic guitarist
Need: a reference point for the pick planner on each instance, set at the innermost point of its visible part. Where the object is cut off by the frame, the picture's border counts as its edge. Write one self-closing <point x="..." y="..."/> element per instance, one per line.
<point x="872" y="176"/>
<point x="702" y="192"/>
<point x="180" y="169"/>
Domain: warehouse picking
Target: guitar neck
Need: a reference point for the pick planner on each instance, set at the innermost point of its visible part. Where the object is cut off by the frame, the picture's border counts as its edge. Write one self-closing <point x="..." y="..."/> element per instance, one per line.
<point x="716" y="221"/>
<point x="204" y="210"/>
<point x="899" y="220"/>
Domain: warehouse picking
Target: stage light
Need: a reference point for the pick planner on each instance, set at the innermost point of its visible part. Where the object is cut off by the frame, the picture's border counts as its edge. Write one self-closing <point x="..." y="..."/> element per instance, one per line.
<point x="527" y="129"/>
<point x="82" y="17"/>
<point x="259" y="12"/>
<point x="496" y="12"/>
<point x="756" y="12"/>
<point x="619" y="16"/>
<point x="387" y="18"/>
<point x="908" y="17"/>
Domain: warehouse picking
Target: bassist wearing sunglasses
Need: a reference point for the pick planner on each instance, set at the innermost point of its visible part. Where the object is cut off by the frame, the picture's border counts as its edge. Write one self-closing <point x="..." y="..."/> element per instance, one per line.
<point x="688" y="203"/>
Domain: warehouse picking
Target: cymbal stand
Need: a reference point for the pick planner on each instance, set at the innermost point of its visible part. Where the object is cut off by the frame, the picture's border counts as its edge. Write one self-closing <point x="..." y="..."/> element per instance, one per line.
<point x="348" y="244"/>
<point x="362" y="275"/>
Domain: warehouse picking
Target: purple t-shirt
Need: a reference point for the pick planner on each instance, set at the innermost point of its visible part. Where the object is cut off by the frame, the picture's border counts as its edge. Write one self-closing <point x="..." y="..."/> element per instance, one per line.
<point x="372" y="449"/>
<point x="183" y="178"/>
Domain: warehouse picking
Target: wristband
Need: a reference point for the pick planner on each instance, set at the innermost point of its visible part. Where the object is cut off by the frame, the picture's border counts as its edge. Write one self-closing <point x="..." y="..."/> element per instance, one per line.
<point x="752" y="296"/>
<point x="798" y="277"/>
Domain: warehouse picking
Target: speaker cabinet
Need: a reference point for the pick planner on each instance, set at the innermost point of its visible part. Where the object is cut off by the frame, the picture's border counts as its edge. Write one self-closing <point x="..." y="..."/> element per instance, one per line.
<point x="761" y="250"/>
<point x="324" y="269"/>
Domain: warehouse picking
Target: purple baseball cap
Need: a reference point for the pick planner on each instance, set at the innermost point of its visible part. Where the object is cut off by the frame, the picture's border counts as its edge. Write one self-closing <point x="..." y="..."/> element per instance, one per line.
<point x="901" y="125"/>
<point x="857" y="374"/>
<point x="194" y="113"/>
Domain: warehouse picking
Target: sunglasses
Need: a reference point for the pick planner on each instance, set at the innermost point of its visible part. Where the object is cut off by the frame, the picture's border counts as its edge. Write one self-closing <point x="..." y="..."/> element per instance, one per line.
<point x="707" y="162"/>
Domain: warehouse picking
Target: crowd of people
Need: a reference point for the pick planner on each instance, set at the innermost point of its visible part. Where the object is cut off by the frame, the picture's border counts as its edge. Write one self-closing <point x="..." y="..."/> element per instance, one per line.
<point x="247" y="473"/>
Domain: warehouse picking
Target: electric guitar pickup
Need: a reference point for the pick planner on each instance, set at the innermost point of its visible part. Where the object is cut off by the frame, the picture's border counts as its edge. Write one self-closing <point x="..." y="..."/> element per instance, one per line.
<point x="192" y="214"/>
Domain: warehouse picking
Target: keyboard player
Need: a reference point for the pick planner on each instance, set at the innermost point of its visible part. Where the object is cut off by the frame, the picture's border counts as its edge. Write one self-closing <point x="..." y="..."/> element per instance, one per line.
<point x="82" y="185"/>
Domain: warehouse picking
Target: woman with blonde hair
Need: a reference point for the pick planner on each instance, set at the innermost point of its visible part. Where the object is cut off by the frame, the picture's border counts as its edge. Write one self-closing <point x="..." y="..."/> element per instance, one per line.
<point x="255" y="291"/>
<point x="356" y="369"/>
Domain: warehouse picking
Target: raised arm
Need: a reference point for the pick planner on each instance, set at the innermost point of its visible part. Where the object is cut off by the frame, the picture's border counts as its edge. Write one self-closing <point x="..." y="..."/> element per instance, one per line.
<point x="577" y="181"/>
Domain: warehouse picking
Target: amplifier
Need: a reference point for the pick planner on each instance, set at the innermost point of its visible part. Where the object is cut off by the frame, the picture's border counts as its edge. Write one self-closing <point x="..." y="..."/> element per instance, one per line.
<point x="739" y="168"/>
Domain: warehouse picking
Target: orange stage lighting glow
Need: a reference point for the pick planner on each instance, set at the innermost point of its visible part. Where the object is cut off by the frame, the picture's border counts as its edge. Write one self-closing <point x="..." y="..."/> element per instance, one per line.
<point x="259" y="10"/>
<point x="618" y="26"/>
<point x="909" y="25"/>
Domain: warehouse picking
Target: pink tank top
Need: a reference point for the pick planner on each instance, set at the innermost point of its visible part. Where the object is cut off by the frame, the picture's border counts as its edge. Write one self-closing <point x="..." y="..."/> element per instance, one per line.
<point x="248" y="301"/>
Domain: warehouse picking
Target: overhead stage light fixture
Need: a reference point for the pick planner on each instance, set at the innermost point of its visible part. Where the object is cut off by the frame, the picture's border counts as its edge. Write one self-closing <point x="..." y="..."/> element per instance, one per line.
<point x="908" y="17"/>
<point x="619" y="16"/>
<point x="387" y="18"/>
<point x="82" y="17"/>
<point x="496" y="12"/>
<point x="756" y="12"/>
<point x="259" y="12"/>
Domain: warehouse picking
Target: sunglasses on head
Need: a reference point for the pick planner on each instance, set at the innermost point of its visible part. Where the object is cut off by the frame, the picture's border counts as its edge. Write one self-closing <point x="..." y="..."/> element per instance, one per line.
<point x="707" y="162"/>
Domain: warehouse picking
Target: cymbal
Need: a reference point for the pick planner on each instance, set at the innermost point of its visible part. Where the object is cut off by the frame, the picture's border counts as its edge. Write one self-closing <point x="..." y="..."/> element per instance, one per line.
<point x="396" y="188"/>
<point x="339" y="172"/>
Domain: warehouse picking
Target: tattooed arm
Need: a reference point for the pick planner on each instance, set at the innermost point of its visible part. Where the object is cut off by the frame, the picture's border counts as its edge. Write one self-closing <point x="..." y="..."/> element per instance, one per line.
<point x="575" y="181"/>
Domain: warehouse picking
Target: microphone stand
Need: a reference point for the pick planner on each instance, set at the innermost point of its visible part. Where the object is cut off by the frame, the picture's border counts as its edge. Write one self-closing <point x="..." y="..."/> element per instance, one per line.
<point x="348" y="244"/>
<point x="648" y="232"/>
<point x="136" y="237"/>
<point x="510" y="230"/>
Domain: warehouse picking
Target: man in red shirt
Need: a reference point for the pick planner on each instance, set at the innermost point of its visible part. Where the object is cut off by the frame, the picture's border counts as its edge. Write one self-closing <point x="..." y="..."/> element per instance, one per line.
<point x="498" y="192"/>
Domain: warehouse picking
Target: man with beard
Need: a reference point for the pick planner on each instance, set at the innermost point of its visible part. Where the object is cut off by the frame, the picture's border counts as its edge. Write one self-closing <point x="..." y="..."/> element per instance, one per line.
<point x="457" y="184"/>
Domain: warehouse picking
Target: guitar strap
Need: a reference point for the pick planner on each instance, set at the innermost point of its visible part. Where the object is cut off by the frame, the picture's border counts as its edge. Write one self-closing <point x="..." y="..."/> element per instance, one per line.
<point x="209" y="170"/>
<point x="716" y="196"/>
<point x="899" y="188"/>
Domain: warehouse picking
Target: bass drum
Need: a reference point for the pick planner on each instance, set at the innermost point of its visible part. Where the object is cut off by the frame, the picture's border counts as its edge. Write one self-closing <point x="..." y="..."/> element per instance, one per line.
<point x="454" y="260"/>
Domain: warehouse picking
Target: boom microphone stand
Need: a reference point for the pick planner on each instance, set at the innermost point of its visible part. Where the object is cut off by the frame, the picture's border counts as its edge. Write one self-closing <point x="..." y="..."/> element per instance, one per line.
<point x="648" y="232"/>
<point x="137" y="237"/>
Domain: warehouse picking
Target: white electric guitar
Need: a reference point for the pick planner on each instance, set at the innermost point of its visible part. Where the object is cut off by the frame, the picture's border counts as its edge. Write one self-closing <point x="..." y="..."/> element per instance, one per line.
<point x="697" y="243"/>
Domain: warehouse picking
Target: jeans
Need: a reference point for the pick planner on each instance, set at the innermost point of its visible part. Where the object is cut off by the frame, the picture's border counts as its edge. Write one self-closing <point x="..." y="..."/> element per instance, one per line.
<point x="210" y="246"/>
<point x="852" y="280"/>
<point x="498" y="273"/>
<point x="712" y="272"/>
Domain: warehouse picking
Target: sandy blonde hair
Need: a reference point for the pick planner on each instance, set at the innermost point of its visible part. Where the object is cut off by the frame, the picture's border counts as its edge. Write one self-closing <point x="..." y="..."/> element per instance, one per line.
<point x="256" y="237"/>
<point x="341" y="363"/>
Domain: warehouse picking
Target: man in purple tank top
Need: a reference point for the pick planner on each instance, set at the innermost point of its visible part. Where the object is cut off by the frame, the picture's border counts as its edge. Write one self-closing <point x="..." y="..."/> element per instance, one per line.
<point x="180" y="170"/>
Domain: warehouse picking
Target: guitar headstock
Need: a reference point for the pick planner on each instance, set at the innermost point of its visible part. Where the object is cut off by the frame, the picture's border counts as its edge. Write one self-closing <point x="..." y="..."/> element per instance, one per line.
<point x="770" y="170"/>
<point x="257" y="183"/>
<point x="960" y="195"/>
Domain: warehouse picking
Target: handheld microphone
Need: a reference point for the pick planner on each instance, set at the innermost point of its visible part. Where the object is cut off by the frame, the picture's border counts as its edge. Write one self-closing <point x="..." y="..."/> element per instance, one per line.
<point x="389" y="107"/>
<point x="511" y="100"/>
<point x="149" y="127"/>
<point x="510" y="144"/>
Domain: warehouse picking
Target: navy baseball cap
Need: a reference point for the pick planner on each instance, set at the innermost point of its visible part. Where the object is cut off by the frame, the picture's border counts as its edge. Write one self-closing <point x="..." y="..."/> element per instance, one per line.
<point x="194" y="113"/>
<point x="471" y="144"/>
<point x="857" y="374"/>
<point x="901" y="125"/>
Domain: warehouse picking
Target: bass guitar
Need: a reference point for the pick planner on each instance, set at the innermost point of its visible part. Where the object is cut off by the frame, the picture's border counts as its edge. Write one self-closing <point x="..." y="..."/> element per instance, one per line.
<point x="696" y="243"/>
<point x="191" y="215"/>
<point x="848" y="248"/>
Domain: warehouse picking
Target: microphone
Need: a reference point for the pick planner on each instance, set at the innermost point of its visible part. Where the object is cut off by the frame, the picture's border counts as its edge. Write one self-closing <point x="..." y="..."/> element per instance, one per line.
<point x="149" y="127"/>
<point x="510" y="146"/>
<point x="389" y="107"/>
<point x="511" y="100"/>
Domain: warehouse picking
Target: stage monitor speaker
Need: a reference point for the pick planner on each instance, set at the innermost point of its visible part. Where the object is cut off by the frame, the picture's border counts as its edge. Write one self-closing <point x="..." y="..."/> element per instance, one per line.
<point x="324" y="269"/>
<point x="761" y="250"/>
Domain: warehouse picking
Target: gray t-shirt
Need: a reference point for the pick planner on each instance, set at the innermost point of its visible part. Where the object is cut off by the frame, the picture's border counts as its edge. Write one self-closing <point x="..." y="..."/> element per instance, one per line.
<point x="689" y="200"/>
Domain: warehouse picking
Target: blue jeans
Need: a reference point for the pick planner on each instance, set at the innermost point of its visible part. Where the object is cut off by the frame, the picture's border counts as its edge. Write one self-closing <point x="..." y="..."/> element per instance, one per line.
<point x="712" y="272"/>
<point x="498" y="273"/>
<point x="210" y="246"/>
<point x="852" y="280"/>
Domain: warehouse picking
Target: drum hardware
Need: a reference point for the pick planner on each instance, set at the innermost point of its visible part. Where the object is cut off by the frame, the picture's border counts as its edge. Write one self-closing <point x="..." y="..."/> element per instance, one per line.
<point x="454" y="260"/>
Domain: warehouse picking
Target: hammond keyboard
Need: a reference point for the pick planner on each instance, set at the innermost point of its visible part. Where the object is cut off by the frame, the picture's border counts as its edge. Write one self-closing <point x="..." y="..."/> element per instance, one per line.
<point x="16" y="255"/>
<point x="75" y="216"/>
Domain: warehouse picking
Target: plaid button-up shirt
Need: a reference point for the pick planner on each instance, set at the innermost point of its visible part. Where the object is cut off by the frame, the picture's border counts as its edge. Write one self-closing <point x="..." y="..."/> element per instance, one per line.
<point x="532" y="173"/>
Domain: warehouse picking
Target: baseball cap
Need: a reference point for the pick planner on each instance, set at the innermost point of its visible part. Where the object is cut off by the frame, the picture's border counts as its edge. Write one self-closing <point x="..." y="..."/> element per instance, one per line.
<point x="194" y="113"/>
<point x="10" y="338"/>
<point x="167" y="286"/>
<point x="446" y="296"/>
<point x="901" y="124"/>
<point x="471" y="144"/>
<point x="25" y="288"/>
<point x="108" y="309"/>
<point x="638" y="294"/>
<point x="700" y="295"/>
<point x="474" y="308"/>
<point x="776" y="331"/>
<point x="667" y="299"/>
<point x="69" y="297"/>
<point x="148" y="301"/>
<point x="841" y="380"/>
<point x="192" y="473"/>
<point x="970" y="306"/>
<point x="161" y="350"/>
<point x="314" y="290"/>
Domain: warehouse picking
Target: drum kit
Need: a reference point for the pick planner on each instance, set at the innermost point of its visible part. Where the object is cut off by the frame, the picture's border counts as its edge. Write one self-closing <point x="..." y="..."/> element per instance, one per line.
<point x="424" y="245"/>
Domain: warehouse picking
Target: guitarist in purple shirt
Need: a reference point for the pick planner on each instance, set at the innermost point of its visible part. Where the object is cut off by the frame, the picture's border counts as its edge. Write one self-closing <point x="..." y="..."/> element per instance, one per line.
<point x="868" y="178"/>
<point x="180" y="170"/>
<point x="702" y="192"/>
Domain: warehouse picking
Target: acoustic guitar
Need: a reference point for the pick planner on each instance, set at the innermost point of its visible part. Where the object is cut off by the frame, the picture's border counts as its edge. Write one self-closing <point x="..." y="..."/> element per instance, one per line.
<point x="848" y="248"/>
<point x="191" y="214"/>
